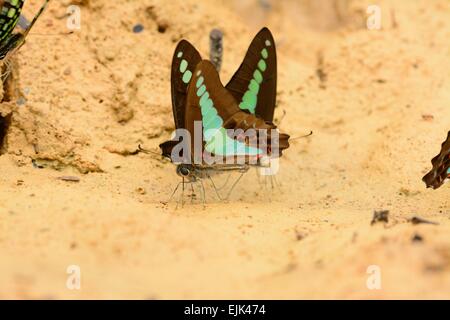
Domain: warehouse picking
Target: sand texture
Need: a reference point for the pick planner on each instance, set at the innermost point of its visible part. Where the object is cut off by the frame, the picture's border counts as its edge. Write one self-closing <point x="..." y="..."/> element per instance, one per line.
<point x="79" y="105"/>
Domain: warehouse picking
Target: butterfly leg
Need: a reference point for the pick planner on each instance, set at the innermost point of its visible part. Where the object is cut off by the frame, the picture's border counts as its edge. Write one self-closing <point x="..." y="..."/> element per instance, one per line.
<point x="258" y="174"/>
<point x="203" y="193"/>
<point x="265" y="182"/>
<point x="226" y="182"/>
<point x="275" y="180"/>
<point x="181" y="198"/>
<point x="174" y="191"/>
<point x="182" y="194"/>
<point x="234" y="185"/>
<point x="272" y="182"/>
<point x="214" y="186"/>
<point x="192" y="192"/>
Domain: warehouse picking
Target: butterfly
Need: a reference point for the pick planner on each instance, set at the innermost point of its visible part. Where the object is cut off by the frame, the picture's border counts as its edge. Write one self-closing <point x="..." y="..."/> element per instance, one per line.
<point x="247" y="102"/>
<point x="441" y="167"/>
<point x="9" y="16"/>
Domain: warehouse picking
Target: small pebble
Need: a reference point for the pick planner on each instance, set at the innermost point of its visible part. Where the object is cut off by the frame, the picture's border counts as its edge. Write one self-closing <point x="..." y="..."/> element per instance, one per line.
<point x="141" y="190"/>
<point x="21" y="101"/>
<point x="138" y="28"/>
<point x="417" y="238"/>
<point x="419" y="220"/>
<point x="69" y="178"/>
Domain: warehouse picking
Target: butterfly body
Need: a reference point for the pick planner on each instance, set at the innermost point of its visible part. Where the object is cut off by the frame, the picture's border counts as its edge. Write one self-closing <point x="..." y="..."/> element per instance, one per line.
<point x="194" y="173"/>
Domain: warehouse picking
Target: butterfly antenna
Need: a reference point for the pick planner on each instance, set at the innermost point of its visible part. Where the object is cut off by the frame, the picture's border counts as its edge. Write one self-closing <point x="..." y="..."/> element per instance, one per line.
<point x="226" y="182"/>
<point x="234" y="185"/>
<point x="41" y="10"/>
<point x="68" y="33"/>
<point x="174" y="191"/>
<point x="282" y="118"/>
<point x="301" y="137"/>
<point x="203" y="194"/>
<point x="216" y="48"/>
<point x="215" y="188"/>
<point x="192" y="193"/>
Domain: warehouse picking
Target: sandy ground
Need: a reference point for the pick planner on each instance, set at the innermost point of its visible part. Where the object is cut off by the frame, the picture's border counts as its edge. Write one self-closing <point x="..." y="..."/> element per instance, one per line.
<point x="88" y="99"/>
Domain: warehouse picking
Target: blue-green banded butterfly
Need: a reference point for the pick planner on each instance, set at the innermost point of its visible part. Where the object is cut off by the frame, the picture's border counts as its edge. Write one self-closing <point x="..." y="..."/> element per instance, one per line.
<point x="441" y="167"/>
<point x="198" y="95"/>
<point x="9" y="16"/>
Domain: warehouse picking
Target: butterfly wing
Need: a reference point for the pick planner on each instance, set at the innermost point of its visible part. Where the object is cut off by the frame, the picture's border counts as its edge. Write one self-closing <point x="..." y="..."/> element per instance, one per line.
<point x="441" y="167"/>
<point x="209" y="102"/>
<point x="184" y="61"/>
<point x="9" y="16"/>
<point x="12" y="43"/>
<point x="254" y="85"/>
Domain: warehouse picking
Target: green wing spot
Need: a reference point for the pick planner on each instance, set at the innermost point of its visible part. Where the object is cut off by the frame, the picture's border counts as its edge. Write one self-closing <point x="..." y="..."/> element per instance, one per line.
<point x="208" y="117"/>
<point x="201" y="91"/>
<point x="204" y="98"/>
<point x="216" y="123"/>
<point x="249" y="101"/>
<point x="209" y="111"/>
<point x="222" y="144"/>
<point x="262" y="65"/>
<point x="207" y="106"/>
<point x="253" y="86"/>
<point x="250" y="98"/>
<point x="180" y="54"/>
<point x="11" y="12"/>
<point x="215" y="136"/>
<point x="187" y="76"/>
<point x="264" y="53"/>
<point x="183" y="66"/>
<point x="257" y="76"/>
<point x="199" y="82"/>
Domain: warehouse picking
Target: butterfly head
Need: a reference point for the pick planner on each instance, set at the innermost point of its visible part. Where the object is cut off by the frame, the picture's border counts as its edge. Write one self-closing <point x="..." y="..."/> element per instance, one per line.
<point x="186" y="171"/>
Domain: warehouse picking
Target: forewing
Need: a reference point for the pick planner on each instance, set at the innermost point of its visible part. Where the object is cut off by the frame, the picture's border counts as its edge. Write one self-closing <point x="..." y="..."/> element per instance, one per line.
<point x="254" y="85"/>
<point x="184" y="61"/>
